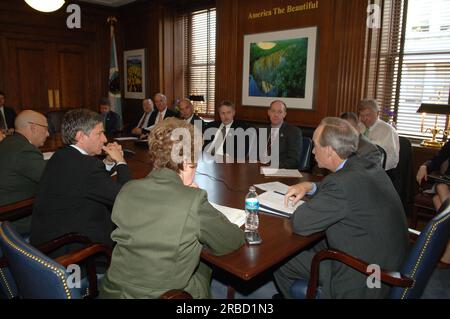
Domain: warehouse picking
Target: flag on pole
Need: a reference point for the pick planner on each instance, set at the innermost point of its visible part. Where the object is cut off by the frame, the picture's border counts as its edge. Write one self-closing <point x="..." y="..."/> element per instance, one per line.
<point x="114" y="76"/>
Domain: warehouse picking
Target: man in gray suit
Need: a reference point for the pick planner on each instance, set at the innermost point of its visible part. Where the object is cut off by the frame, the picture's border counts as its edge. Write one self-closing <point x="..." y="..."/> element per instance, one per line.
<point x="358" y="209"/>
<point x="366" y="148"/>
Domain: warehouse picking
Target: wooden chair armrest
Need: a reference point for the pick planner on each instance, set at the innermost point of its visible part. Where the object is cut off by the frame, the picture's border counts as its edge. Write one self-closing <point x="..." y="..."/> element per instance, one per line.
<point x="17" y="210"/>
<point x="87" y="255"/>
<point x="66" y="239"/>
<point x="391" y="278"/>
<point x="176" y="294"/>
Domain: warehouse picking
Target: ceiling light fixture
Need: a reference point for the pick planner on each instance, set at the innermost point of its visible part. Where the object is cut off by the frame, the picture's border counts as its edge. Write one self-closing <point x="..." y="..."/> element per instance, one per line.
<point x="45" y="5"/>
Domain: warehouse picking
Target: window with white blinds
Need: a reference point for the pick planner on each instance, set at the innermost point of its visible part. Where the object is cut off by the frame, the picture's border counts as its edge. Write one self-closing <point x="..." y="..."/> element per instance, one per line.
<point x="200" y="58"/>
<point x="413" y="65"/>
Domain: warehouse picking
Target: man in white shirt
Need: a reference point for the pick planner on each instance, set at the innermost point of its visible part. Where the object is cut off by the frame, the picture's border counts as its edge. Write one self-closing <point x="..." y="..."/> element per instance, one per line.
<point x="147" y="106"/>
<point x="379" y="132"/>
<point x="162" y="112"/>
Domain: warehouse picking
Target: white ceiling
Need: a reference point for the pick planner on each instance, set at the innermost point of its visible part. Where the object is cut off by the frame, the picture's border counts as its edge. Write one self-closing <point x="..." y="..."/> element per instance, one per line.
<point x="110" y="3"/>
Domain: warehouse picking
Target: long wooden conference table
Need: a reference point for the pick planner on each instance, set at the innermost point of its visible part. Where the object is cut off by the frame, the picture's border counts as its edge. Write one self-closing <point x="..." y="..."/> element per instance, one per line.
<point x="227" y="184"/>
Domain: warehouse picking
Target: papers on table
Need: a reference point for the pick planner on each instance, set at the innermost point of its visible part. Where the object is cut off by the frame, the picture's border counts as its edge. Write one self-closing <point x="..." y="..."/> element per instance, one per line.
<point x="273" y="203"/>
<point x="236" y="216"/>
<point x="273" y="186"/>
<point x="128" y="138"/>
<point x="47" y="155"/>
<point x="280" y="172"/>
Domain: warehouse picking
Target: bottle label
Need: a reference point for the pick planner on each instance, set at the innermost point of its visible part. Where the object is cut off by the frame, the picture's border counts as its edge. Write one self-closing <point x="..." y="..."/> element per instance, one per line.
<point x="252" y="204"/>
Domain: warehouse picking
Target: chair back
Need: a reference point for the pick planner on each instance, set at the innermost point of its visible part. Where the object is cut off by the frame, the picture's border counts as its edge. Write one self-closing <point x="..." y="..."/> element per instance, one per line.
<point x="425" y="254"/>
<point x="36" y="275"/>
<point x="305" y="155"/>
<point x="54" y="119"/>
<point x="383" y="155"/>
<point x="8" y="288"/>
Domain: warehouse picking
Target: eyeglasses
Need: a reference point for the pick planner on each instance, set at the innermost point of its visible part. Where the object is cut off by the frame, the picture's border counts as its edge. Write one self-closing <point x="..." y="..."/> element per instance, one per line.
<point x="46" y="126"/>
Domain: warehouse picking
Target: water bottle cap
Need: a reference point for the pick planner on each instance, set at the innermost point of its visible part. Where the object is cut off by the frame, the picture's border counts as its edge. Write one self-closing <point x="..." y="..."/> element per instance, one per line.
<point x="252" y="189"/>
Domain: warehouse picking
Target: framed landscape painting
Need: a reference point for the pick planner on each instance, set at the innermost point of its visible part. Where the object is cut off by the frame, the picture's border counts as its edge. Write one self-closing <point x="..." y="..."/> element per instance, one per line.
<point x="280" y="66"/>
<point x="134" y="65"/>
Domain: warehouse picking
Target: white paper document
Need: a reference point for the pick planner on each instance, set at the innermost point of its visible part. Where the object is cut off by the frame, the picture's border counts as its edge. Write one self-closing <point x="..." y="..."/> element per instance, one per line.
<point x="128" y="138"/>
<point x="236" y="216"/>
<point x="47" y="155"/>
<point x="273" y="186"/>
<point x="273" y="203"/>
<point x="280" y="172"/>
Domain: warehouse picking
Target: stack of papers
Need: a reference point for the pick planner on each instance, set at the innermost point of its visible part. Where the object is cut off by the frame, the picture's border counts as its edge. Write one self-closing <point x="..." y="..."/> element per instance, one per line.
<point x="47" y="155"/>
<point x="236" y="216"/>
<point x="277" y="187"/>
<point x="273" y="203"/>
<point x="128" y="138"/>
<point x="280" y="172"/>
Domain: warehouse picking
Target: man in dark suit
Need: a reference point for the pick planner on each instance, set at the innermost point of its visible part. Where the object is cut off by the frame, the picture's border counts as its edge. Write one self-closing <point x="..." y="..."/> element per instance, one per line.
<point x="162" y="112"/>
<point x="7" y="116"/>
<point x="147" y="107"/>
<point x="284" y="137"/>
<point x="227" y="136"/>
<point x="111" y="120"/>
<point x="187" y="113"/>
<point x="22" y="162"/>
<point x="76" y="192"/>
<point x="359" y="210"/>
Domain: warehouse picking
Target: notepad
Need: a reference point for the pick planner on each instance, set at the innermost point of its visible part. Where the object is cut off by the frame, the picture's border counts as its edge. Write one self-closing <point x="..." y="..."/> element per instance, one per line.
<point x="280" y="172"/>
<point x="273" y="203"/>
<point x="236" y="216"/>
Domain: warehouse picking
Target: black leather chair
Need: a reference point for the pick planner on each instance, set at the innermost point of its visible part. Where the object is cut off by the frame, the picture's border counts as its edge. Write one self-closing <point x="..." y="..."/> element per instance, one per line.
<point x="383" y="156"/>
<point x="305" y="156"/>
<point x="412" y="278"/>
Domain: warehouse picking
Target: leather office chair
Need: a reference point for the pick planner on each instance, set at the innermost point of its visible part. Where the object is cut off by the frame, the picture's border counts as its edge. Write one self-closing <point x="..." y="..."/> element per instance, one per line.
<point x="38" y="276"/>
<point x="413" y="277"/>
<point x="305" y="156"/>
<point x="54" y="119"/>
<point x="383" y="156"/>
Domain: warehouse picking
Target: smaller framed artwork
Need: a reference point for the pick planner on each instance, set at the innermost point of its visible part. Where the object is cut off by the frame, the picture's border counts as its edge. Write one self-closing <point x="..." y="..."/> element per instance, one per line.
<point x="280" y="66"/>
<point x="134" y="65"/>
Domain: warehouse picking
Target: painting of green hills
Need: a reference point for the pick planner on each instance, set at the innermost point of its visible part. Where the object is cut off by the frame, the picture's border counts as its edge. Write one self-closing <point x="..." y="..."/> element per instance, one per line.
<point x="278" y="68"/>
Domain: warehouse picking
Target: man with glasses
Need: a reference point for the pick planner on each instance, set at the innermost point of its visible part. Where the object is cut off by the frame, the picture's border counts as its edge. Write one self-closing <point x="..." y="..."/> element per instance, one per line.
<point x="22" y="162"/>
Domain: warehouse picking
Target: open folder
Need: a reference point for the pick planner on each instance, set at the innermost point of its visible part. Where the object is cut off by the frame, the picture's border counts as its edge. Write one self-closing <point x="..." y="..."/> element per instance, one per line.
<point x="273" y="203"/>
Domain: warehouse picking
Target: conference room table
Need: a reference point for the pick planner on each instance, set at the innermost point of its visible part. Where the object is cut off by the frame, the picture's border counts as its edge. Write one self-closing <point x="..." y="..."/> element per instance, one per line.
<point x="227" y="184"/>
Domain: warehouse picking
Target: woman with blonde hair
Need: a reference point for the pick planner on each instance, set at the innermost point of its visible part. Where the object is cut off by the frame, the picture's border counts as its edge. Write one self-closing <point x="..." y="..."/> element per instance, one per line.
<point x="163" y="221"/>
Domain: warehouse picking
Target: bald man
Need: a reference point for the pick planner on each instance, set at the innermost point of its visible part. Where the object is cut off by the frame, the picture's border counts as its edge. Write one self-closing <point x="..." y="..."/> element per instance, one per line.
<point x="21" y="161"/>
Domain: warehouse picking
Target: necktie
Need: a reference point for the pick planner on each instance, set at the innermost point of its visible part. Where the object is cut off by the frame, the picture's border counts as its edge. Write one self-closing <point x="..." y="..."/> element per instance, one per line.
<point x="219" y="141"/>
<point x="269" y="145"/>
<point x="2" y="121"/>
<point x="142" y="122"/>
<point x="366" y="132"/>
<point x="160" y="117"/>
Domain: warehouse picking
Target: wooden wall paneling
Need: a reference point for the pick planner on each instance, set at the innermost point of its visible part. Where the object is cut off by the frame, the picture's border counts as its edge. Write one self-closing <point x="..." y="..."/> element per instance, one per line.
<point x="167" y="63"/>
<point x="227" y="66"/>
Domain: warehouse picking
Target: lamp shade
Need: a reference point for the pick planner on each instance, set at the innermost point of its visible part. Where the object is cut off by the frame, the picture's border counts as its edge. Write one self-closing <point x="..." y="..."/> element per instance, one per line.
<point x="45" y="5"/>
<point x="197" y="98"/>
<point x="434" y="108"/>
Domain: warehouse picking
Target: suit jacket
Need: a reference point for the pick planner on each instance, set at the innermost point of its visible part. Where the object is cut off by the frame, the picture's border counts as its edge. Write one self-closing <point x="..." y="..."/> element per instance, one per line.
<point x="435" y="163"/>
<point x="75" y="194"/>
<point x="112" y="124"/>
<point x="197" y="118"/>
<point x="290" y="146"/>
<point x="362" y="215"/>
<point x="10" y="116"/>
<point x="369" y="150"/>
<point x="159" y="239"/>
<point x="21" y="165"/>
<point x="231" y="138"/>
<point x="152" y="120"/>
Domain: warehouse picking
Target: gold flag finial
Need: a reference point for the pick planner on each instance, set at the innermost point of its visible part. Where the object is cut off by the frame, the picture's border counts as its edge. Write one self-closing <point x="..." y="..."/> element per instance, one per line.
<point x="111" y="19"/>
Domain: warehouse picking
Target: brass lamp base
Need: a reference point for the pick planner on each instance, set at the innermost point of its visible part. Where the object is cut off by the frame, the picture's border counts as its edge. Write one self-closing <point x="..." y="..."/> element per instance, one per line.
<point x="432" y="143"/>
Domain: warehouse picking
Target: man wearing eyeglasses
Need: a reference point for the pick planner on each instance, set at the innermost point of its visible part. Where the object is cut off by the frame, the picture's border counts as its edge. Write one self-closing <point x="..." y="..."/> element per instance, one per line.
<point x="22" y="162"/>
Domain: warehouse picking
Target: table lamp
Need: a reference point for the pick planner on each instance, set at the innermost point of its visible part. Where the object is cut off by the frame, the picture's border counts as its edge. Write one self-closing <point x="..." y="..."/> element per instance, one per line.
<point x="196" y="98"/>
<point x="433" y="109"/>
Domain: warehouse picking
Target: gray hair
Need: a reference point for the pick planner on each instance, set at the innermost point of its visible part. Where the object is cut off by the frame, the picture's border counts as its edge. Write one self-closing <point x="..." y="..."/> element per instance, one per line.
<point x="282" y="103"/>
<point x="78" y="120"/>
<point x="340" y="135"/>
<point x="368" y="103"/>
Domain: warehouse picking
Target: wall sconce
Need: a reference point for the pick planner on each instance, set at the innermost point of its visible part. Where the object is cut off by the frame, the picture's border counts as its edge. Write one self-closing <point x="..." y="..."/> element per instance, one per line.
<point x="434" y="109"/>
<point x="45" y="5"/>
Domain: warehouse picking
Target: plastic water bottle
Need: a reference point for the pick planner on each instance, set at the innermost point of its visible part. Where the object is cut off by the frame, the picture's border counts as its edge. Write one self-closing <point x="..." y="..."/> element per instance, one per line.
<point x="252" y="211"/>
